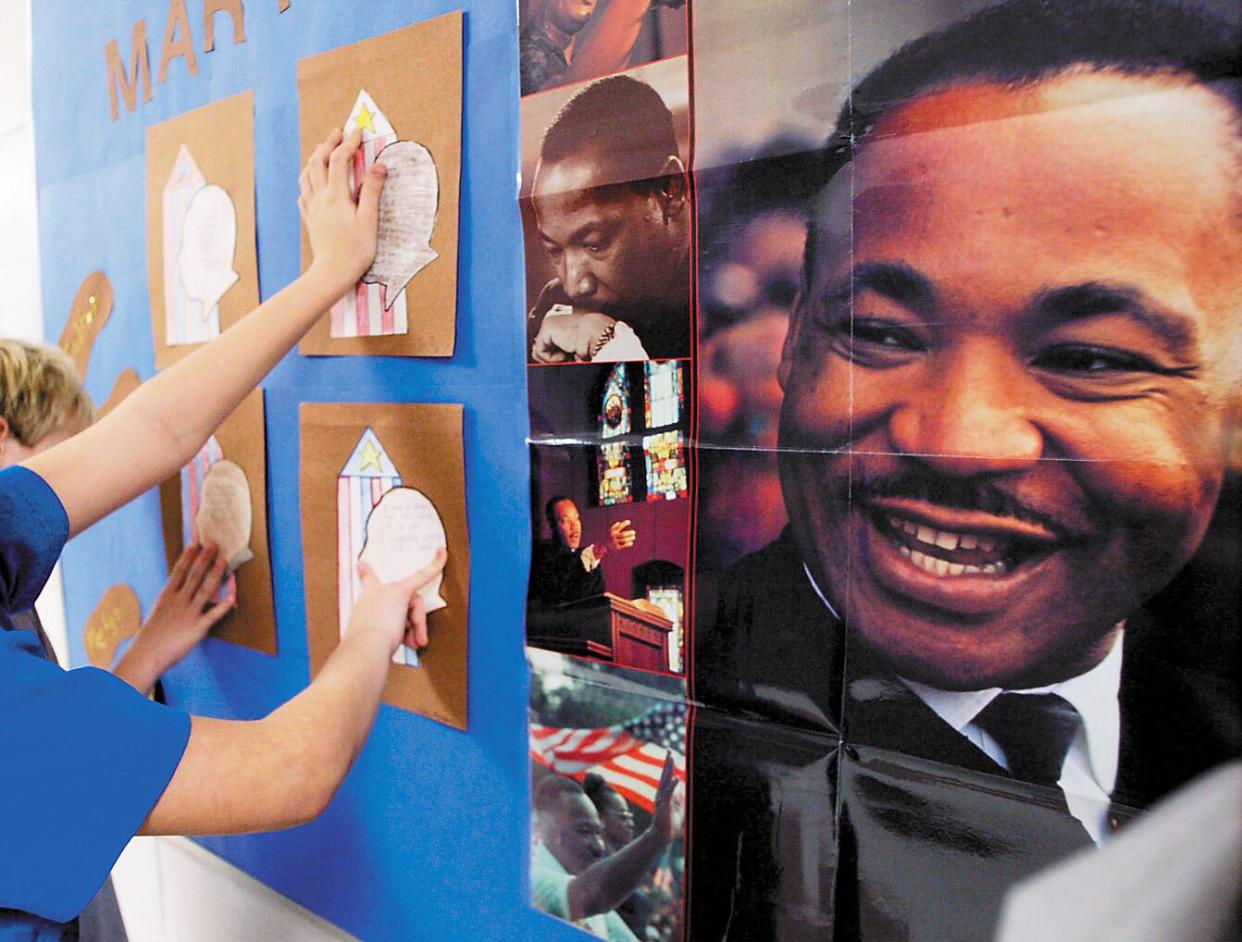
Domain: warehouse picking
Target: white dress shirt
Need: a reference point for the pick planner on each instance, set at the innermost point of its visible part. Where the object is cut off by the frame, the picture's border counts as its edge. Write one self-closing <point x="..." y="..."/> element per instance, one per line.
<point x="1090" y="770"/>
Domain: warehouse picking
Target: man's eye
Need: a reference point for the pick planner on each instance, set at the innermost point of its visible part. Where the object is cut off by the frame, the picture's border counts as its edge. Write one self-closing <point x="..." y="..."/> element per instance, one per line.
<point x="594" y="247"/>
<point x="554" y="252"/>
<point x="883" y="335"/>
<point x="874" y="343"/>
<point x="1088" y="360"/>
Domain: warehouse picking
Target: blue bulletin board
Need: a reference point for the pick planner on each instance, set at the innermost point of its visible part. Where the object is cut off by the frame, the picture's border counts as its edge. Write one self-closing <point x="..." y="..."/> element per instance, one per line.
<point x="428" y="836"/>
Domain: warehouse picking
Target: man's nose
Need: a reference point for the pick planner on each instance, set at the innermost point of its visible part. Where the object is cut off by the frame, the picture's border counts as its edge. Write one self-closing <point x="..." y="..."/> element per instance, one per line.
<point x="970" y="415"/>
<point x="579" y="280"/>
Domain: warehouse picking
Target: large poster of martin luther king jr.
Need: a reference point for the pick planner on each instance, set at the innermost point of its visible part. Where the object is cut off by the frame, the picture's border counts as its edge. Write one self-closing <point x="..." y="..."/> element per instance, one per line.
<point x="607" y="214"/>
<point x="1003" y="618"/>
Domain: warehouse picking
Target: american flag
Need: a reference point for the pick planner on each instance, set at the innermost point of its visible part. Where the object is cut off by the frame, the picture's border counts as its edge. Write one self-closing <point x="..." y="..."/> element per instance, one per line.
<point x="630" y="755"/>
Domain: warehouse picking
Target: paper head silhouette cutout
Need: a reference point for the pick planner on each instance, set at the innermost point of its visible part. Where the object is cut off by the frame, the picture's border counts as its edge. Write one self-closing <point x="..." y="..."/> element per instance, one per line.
<point x="407" y="217"/>
<point x="403" y="533"/>
<point x="208" y="241"/>
<point x="224" y="512"/>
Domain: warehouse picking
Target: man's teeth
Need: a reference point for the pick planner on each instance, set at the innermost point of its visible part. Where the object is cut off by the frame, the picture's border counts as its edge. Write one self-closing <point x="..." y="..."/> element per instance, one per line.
<point x="945" y="539"/>
<point x="942" y="567"/>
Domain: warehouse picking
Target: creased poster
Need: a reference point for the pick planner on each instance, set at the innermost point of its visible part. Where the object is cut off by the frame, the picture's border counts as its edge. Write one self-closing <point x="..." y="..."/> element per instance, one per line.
<point x="961" y="590"/>
<point x="608" y="212"/>
<point x="410" y="119"/>
<point x="384" y="483"/>
<point x="202" y="269"/>
<point x="240" y="442"/>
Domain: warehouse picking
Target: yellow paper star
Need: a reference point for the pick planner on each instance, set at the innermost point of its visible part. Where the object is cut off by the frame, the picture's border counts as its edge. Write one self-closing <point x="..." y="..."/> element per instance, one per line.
<point x="364" y="118"/>
<point x="370" y="457"/>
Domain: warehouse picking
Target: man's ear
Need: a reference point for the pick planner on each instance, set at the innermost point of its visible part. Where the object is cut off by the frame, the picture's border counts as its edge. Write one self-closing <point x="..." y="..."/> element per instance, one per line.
<point x="673" y="190"/>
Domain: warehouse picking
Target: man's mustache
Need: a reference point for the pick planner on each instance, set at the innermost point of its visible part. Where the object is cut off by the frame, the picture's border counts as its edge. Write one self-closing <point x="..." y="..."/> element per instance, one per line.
<point x="966" y="494"/>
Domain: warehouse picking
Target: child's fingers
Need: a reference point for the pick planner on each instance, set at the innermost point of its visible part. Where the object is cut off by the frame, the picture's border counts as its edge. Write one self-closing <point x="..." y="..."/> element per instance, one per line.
<point x="416" y="580"/>
<point x="176" y="578"/>
<point x="341" y="158"/>
<point x="198" y="570"/>
<point x="213" y="614"/>
<point x="369" y="196"/>
<point x="210" y="582"/>
<point x="417" y="623"/>
<point x="367" y="575"/>
<point x="316" y="171"/>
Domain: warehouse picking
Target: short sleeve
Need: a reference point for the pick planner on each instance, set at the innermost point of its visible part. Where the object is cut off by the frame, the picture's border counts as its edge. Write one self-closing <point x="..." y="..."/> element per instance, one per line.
<point x="86" y="757"/>
<point x="33" y="530"/>
<point x="549" y="885"/>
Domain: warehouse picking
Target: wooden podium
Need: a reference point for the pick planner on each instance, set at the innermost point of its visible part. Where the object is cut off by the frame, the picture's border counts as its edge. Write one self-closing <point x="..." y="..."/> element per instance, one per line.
<point x="605" y="626"/>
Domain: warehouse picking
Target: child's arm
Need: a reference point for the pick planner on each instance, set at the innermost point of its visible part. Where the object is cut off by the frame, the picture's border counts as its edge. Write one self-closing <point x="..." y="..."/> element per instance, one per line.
<point x="164" y="422"/>
<point x="261" y="775"/>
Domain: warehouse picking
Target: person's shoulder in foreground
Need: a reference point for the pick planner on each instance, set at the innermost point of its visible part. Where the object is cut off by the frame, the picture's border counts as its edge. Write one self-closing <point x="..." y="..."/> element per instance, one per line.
<point x="61" y="730"/>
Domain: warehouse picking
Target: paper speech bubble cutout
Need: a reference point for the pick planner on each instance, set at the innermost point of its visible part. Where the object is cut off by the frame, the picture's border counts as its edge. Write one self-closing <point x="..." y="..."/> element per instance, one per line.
<point x="403" y="532"/>
<point x="208" y="243"/>
<point x="407" y="217"/>
<point x="224" y="513"/>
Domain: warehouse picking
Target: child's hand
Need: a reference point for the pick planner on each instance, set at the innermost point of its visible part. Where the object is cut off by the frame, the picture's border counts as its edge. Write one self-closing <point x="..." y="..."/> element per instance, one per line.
<point x="342" y="232"/>
<point x="183" y="612"/>
<point x="394" y="609"/>
<point x="181" y="617"/>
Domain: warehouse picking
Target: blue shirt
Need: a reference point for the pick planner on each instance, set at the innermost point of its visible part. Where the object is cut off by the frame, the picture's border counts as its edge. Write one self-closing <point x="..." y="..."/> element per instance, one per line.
<point x="83" y="756"/>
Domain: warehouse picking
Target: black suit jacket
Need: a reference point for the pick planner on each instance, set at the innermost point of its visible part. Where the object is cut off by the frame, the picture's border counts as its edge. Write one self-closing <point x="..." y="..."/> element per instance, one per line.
<point x="828" y="801"/>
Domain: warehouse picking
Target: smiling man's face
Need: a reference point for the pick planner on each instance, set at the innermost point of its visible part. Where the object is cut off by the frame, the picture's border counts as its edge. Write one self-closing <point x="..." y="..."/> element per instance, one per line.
<point x="1011" y="376"/>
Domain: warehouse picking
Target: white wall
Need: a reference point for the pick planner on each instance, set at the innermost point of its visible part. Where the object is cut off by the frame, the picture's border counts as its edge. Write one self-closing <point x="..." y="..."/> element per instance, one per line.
<point x="170" y="889"/>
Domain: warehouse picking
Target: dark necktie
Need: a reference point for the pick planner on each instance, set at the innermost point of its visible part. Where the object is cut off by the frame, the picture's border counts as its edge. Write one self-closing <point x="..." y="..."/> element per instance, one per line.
<point x="1035" y="730"/>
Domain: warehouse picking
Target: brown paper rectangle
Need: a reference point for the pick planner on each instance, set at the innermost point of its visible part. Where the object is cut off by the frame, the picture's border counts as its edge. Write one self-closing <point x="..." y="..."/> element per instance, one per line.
<point x="424" y="442"/>
<point x="220" y="137"/>
<point x="242" y="440"/>
<point x="414" y="75"/>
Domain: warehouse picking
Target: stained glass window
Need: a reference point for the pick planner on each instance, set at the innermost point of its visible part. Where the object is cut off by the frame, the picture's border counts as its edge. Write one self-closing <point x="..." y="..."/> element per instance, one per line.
<point x="669" y="599"/>
<point x="614" y="417"/>
<point x="665" y="393"/>
<point x="616" y="486"/>
<point x="666" y="466"/>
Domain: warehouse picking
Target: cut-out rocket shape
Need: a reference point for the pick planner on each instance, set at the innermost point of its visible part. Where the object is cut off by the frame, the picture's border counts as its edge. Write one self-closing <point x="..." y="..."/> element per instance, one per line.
<point x="192" y="477"/>
<point x="367" y="476"/>
<point x="367" y="311"/>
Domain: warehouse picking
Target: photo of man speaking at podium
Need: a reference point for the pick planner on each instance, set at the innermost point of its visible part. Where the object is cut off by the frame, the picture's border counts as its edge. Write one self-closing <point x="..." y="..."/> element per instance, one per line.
<point x="610" y="202"/>
<point x="611" y="515"/>
<point x="1004" y="616"/>
<point x="563" y="569"/>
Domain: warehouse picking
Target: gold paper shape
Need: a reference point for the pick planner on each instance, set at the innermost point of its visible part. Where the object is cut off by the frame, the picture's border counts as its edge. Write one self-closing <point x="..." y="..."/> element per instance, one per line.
<point x="126" y="382"/>
<point x="117" y="616"/>
<point x="92" y="306"/>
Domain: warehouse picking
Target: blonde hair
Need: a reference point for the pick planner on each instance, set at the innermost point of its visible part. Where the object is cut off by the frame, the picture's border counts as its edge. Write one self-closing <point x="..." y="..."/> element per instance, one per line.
<point x="40" y="392"/>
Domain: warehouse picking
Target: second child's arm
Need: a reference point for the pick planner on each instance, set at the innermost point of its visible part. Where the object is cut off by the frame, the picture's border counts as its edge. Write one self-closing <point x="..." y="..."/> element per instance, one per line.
<point x="163" y="423"/>
<point x="260" y="775"/>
